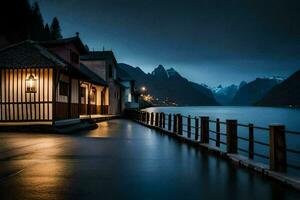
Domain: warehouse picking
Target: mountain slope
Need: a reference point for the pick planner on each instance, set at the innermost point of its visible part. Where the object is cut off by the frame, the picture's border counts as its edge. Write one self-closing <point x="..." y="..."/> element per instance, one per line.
<point x="253" y="91"/>
<point x="224" y="95"/>
<point x="287" y="93"/>
<point x="163" y="83"/>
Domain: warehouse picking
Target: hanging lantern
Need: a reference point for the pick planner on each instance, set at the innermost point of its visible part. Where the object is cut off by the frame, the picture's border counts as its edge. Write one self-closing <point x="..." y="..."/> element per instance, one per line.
<point x="30" y="84"/>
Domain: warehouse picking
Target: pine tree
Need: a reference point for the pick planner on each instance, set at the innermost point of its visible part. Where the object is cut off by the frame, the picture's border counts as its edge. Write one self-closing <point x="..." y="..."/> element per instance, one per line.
<point x="47" y="35"/>
<point x="15" y="26"/>
<point x="37" y="31"/>
<point x="55" y="29"/>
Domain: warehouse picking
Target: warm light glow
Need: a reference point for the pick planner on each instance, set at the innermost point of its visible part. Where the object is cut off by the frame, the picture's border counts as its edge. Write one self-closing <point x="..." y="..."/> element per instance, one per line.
<point x="143" y="88"/>
<point x="31" y="84"/>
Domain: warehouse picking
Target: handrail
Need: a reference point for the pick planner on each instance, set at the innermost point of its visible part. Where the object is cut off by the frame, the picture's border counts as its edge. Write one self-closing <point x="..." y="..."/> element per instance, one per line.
<point x="188" y="128"/>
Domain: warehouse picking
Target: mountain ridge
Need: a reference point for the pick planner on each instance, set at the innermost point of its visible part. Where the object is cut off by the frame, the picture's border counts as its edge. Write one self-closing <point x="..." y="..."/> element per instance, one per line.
<point x="163" y="83"/>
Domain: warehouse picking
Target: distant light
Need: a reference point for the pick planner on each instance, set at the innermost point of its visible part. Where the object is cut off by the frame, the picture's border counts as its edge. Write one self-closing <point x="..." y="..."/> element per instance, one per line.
<point x="143" y="88"/>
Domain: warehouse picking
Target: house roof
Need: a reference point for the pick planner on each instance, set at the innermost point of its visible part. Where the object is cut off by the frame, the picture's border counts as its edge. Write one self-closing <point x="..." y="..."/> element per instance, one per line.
<point x="123" y="75"/>
<point x="28" y="54"/>
<point x="76" y="40"/>
<point x="92" y="77"/>
<point x="99" y="55"/>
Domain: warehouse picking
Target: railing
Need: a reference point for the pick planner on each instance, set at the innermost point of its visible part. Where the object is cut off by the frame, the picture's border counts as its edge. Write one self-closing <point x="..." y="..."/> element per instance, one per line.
<point x="226" y="134"/>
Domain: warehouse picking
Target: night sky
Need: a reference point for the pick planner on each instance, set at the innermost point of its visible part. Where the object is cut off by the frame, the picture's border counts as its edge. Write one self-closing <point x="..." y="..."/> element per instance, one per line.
<point x="208" y="41"/>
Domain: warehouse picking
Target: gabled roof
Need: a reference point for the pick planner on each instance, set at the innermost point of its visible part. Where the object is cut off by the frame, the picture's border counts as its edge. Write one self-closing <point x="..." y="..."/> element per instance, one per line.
<point x="123" y="75"/>
<point x="27" y="54"/>
<point x="92" y="77"/>
<point x="76" y="40"/>
<point x="99" y="55"/>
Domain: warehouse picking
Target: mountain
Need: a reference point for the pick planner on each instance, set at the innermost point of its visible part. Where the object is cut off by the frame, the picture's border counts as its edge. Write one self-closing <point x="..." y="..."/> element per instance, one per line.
<point x="253" y="91"/>
<point x="287" y="93"/>
<point x="162" y="83"/>
<point x="224" y="95"/>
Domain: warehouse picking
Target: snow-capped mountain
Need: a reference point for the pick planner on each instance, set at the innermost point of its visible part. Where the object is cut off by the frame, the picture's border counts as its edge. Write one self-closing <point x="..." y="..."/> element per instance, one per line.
<point x="224" y="95"/>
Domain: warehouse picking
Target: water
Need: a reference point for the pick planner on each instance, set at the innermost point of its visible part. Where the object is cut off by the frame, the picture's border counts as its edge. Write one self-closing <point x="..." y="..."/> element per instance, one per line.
<point x="259" y="116"/>
<point x="122" y="160"/>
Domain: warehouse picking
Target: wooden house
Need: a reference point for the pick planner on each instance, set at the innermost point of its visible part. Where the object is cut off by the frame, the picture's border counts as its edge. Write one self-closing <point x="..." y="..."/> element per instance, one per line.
<point x="46" y="83"/>
<point x="104" y="64"/>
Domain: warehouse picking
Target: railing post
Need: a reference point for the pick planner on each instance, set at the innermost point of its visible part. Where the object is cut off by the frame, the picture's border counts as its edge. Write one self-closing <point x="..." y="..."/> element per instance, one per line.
<point x="163" y="120"/>
<point x="189" y="126"/>
<point x="277" y="148"/>
<point x="169" y="122"/>
<point x="147" y="117"/>
<point x="251" y="141"/>
<point x="156" y="119"/>
<point x="196" y="128"/>
<point x="160" y="120"/>
<point x="151" y="118"/>
<point x="231" y="131"/>
<point x="179" y="126"/>
<point x="144" y="117"/>
<point x="174" y="123"/>
<point x="205" y="129"/>
<point x="218" y="132"/>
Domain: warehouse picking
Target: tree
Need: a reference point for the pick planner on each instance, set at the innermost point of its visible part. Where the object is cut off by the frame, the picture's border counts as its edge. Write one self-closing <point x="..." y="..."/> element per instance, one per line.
<point x="15" y="26"/>
<point x="37" y="31"/>
<point x="47" y="32"/>
<point x="55" y="29"/>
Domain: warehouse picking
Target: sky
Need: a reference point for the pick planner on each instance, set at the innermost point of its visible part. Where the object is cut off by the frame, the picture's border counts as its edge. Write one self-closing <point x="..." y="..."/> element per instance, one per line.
<point x="207" y="41"/>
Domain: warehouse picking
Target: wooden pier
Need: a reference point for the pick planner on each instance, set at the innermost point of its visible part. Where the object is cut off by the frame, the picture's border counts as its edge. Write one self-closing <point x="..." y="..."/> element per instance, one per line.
<point x="202" y="137"/>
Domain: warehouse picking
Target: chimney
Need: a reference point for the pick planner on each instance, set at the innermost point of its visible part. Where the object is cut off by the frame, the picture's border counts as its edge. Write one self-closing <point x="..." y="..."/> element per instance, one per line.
<point x="77" y="34"/>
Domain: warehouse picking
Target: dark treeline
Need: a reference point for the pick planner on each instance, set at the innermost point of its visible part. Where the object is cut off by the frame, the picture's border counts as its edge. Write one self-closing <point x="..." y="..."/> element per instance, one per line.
<point x="20" y="21"/>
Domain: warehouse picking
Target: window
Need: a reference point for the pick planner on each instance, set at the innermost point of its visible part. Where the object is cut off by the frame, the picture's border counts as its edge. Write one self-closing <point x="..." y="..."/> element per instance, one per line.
<point x="74" y="57"/>
<point x="63" y="88"/>
<point x="110" y="71"/>
<point x="82" y="91"/>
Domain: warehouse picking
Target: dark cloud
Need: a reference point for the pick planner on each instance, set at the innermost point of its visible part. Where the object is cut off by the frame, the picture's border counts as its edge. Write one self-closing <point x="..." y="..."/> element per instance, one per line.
<point x="239" y="39"/>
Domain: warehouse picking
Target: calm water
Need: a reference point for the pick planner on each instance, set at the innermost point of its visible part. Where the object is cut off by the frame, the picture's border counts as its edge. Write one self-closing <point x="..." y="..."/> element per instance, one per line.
<point x="259" y="116"/>
<point x="122" y="160"/>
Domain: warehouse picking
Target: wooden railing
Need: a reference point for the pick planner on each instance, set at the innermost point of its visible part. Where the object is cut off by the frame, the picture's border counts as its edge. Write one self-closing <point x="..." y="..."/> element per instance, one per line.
<point x="207" y="131"/>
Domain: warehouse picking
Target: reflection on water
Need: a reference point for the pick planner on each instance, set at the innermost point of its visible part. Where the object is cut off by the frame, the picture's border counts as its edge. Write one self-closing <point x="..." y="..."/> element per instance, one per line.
<point x="32" y="170"/>
<point x="124" y="160"/>
<point x="259" y="116"/>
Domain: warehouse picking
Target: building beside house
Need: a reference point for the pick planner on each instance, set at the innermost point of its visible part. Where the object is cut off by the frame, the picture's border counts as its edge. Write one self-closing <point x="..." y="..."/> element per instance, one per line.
<point x="59" y="80"/>
<point x="129" y="97"/>
<point x="120" y="86"/>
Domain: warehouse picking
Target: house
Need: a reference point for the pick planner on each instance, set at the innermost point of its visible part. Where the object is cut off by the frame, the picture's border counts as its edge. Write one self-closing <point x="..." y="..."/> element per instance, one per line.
<point x="36" y="84"/>
<point x="104" y="64"/>
<point x="129" y="94"/>
<point x="55" y="81"/>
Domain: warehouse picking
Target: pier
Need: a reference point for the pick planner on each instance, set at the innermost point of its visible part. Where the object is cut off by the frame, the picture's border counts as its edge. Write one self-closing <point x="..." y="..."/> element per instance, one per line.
<point x="268" y="157"/>
<point x="122" y="159"/>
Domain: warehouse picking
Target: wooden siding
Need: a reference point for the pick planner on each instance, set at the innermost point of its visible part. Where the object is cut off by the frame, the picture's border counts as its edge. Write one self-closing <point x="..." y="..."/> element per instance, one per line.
<point x="62" y="102"/>
<point x="16" y="104"/>
<point x="99" y="106"/>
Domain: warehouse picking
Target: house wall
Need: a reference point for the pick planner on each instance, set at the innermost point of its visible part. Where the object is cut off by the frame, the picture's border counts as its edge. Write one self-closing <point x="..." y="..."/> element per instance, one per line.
<point x="64" y="52"/>
<point x="16" y="104"/>
<point x="95" y="107"/>
<point x="114" y="98"/>
<point x="62" y="101"/>
<point x="98" y="67"/>
<point x="101" y="68"/>
<point x="127" y="97"/>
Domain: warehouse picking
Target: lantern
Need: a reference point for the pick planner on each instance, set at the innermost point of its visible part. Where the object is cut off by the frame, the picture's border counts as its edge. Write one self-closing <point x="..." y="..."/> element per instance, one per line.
<point x="30" y="84"/>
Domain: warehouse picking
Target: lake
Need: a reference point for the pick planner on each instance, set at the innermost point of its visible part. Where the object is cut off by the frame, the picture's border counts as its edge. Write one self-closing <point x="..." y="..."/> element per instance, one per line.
<point x="259" y="116"/>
